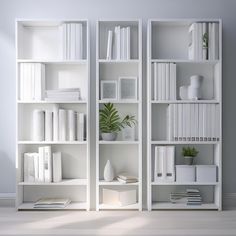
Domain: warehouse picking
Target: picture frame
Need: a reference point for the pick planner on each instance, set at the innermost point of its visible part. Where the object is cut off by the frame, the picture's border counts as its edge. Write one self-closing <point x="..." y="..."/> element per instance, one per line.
<point x="109" y="90"/>
<point x="128" y="88"/>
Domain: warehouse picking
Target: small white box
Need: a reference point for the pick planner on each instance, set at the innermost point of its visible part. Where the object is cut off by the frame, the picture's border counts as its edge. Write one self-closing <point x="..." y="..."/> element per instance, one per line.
<point x="119" y="197"/>
<point x="185" y="173"/>
<point x="206" y="173"/>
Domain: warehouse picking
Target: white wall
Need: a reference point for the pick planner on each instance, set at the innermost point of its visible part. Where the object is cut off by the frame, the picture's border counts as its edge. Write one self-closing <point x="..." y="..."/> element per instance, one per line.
<point x="97" y="9"/>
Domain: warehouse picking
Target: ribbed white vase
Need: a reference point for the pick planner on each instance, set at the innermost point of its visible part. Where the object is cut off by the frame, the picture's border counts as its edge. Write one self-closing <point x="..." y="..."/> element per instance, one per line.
<point x="108" y="172"/>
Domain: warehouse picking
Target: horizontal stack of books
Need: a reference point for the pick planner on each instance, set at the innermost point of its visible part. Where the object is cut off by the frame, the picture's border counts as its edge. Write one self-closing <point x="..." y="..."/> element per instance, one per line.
<point x="126" y="178"/>
<point x="72" y="41"/>
<point x="191" y="197"/>
<point x="118" y="44"/>
<point x="45" y="203"/>
<point x="193" y="122"/>
<point x="67" y="94"/>
<point x="204" y="41"/>
<point x="43" y="166"/>
<point x="32" y="81"/>
<point x="58" y="125"/>
<point x="164" y="81"/>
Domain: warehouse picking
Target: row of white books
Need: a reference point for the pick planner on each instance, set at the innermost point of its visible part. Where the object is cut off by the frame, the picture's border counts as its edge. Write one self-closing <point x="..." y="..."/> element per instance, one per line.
<point x="193" y="122"/>
<point x="118" y="44"/>
<point x="164" y="164"/>
<point x="164" y="81"/>
<point x="32" y="81"/>
<point x="43" y="166"/>
<point x="204" y="41"/>
<point x="72" y="41"/>
<point x="66" y="94"/>
<point x="58" y="125"/>
<point x="49" y="203"/>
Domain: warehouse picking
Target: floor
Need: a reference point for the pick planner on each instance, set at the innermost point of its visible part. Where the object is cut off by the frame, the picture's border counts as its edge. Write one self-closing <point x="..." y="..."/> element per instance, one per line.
<point x="117" y="223"/>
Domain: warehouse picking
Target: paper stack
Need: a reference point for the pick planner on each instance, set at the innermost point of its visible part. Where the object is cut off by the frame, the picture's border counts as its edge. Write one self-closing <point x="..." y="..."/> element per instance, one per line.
<point x="67" y="94"/>
<point x="126" y="178"/>
<point x="52" y="203"/>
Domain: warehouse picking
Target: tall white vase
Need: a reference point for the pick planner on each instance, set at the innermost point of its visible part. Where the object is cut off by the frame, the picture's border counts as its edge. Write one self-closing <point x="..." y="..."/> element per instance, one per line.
<point x="108" y="172"/>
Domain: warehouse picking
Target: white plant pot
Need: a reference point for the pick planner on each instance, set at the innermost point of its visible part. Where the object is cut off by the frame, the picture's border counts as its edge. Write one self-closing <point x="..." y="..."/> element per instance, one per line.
<point x="109" y="136"/>
<point x="183" y="92"/>
<point x="108" y="172"/>
<point x="194" y="93"/>
<point x="128" y="134"/>
<point x="195" y="81"/>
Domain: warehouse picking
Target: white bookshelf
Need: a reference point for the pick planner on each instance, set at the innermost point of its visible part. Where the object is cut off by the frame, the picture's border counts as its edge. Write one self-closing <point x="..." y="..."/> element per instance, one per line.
<point x="167" y="42"/>
<point x="39" y="41"/>
<point x="124" y="155"/>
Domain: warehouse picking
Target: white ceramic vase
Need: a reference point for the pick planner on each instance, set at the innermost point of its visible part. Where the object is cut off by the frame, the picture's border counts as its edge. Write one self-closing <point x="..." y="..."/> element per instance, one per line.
<point x="195" y="81"/>
<point x="128" y="133"/>
<point x="183" y="92"/>
<point x="194" y="93"/>
<point x="108" y="172"/>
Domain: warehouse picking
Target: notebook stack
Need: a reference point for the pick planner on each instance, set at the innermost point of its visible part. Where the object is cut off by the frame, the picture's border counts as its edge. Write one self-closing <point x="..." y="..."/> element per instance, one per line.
<point x="191" y="197"/>
<point x="52" y="203"/>
<point x="67" y="94"/>
<point x="126" y="178"/>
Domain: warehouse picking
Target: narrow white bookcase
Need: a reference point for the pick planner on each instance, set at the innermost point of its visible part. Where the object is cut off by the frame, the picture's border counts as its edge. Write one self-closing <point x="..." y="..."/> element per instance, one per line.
<point x="40" y="41"/>
<point x="167" y="42"/>
<point x="125" y="156"/>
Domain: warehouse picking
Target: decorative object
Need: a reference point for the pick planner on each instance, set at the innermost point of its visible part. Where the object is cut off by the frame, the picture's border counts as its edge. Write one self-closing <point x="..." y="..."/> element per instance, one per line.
<point x="206" y="173"/>
<point x="109" y="90"/>
<point x="194" y="90"/>
<point x="119" y="197"/>
<point x="108" y="172"/>
<point x="111" y="123"/>
<point x="205" y="40"/>
<point x="183" y="92"/>
<point x="128" y="133"/>
<point x="188" y="154"/>
<point x="128" y="88"/>
<point x="185" y="173"/>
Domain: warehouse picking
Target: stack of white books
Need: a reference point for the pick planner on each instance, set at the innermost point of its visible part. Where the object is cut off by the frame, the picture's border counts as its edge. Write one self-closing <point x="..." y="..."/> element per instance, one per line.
<point x="190" y="197"/>
<point x="204" y="41"/>
<point x="32" y="81"/>
<point x="52" y="203"/>
<point x="59" y="125"/>
<point x="164" y="164"/>
<point x="193" y="122"/>
<point x="126" y="178"/>
<point x="42" y="166"/>
<point x="66" y="94"/>
<point x="72" y="41"/>
<point x="118" y="44"/>
<point x="164" y="81"/>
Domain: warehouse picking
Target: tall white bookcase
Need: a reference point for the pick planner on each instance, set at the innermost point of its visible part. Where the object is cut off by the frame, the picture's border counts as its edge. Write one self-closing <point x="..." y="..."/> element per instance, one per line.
<point x="125" y="156"/>
<point x="167" y="42"/>
<point x="41" y="41"/>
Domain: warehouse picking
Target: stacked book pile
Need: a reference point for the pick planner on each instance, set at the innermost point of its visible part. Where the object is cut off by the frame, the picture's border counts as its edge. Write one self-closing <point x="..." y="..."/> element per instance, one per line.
<point x="32" y="81"/>
<point x="43" y="166"/>
<point x="50" y="203"/>
<point x="204" y="41"/>
<point x="191" y="197"/>
<point x="67" y="94"/>
<point x="72" y="41"/>
<point x="118" y="44"/>
<point x="193" y="122"/>
<point x="125" y="178"/>
<point x="164" y="81"/>
<point x="58" y="125"/>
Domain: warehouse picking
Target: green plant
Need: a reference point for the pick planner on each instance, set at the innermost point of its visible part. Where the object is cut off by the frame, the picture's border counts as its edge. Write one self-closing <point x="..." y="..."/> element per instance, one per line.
<point x="110" y="121"/>
<point x="205" y="40"/>
<point x="188" y="151"/>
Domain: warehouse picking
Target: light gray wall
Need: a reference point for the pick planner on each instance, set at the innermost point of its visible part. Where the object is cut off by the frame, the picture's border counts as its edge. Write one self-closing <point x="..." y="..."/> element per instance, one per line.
<point x="108" y="9"/>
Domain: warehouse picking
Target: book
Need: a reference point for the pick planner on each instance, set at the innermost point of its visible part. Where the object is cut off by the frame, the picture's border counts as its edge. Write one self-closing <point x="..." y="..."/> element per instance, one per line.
<point x="180" y="122"/>
<point x="172" y="81"/>
<point x="118" y="39"/>
<point x="167" y="79"/>
<point x="127" y="177"/>
<point x="204" y="49"/>
<point x="72" y="41"/>
<point x="71" y="125"/>
<point x="30" y="172"/>
<point x="48" y="125"/>
<point x="55" y="116"/>
<point x="52" y="203"/>
<point x="62" y="124"/>
<point x="80" y="126"/>
<point x="38" y="133"/>
<point x="78" y="41"/>
<point x="57" y="167"/>
<point x="128" y="43"/>
<point x="109" y="45"/>
<point x="170" y="163"/>
<point x="47" y="164"/>
<point x="41" y="164"/>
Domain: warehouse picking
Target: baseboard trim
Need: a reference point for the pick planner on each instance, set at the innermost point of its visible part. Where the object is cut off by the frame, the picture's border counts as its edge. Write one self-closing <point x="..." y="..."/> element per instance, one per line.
<point x="229" y="200"/>
<point x="7" y="199"/>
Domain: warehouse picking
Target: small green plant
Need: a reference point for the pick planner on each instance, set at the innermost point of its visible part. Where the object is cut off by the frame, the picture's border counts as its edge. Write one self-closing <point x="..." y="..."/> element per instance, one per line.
<point x="189" y="152"/>
<point x="110" y="121"/>
<point x="205" y="40"/>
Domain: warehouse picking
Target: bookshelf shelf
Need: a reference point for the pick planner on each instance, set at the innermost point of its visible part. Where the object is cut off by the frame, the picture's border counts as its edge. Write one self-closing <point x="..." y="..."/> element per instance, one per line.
<point x="163" y="54"/>
<point x="43" y="43"/>
<point x="123" y="155"/>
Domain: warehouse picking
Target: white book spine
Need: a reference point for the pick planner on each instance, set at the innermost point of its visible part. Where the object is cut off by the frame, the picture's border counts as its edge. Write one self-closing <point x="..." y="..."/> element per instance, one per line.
<point x="209" y="121"/>
<point x="122" y="43"/>
<point x="64" y="41"/>
<point x="26" y="174"/>
<point x="175" y="115"/>
<point x="196" y="118"/>
<point x="204" y="48"/>
<point x="68" y="34"/>
<point x="125" y="43"/>
<point x="80" y="126"/>
<point x="216" y="41"/>
<point x="160" y="164"/>
<point x="169" y="123"/>
<point x="36" y="167"/>
<point x="128" y="43"/>
<point x="41" y="164"/>
<point x="191" y="42"/>
<point x="201" y="123"/>
<point x="71" y="125"/>
<point x="55" y="122"/>
<point x="38" y="125"/>
<point x="167" y="79"/>
<point x="218" y="125"/>
<point x="27" y="81"/>
<point x="204" y="111"/>
<point x="48" y="126"/>
<point x="213" y="122"/>
<point x="109" y="45"/>
<point x="163" y="82"/>
<point x="79" y="41"/>
<point x="172" y="81"/>
<point x="159" y="86"/>
<point x="188" y="124"/>
<point x="155" y="86"/>
<point x="47" y="164"/>
<point x="62" y="124"/>
<point x="72" y="41"/>
<point x="180" y="121"/>
<point x="114" y="45"/>
<point x="118" y="50"/>
<point x="57" y="167"/>
<point x="170" y="163"/>
<point x="22" y="81"/>
<point x="156" y="167"/>
<point x="192" y="122"/>
<point x="33" y="80"/>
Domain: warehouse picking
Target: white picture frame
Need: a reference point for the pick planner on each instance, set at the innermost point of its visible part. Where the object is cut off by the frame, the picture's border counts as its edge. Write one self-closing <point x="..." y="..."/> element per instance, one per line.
<point x="128" y="88"/>
<point x="109" y="90"/>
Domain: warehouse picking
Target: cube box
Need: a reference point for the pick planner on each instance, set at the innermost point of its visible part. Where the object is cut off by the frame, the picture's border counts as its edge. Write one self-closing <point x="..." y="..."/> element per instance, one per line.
<point x="185" y="173"/>
<point x="206" y="173"/>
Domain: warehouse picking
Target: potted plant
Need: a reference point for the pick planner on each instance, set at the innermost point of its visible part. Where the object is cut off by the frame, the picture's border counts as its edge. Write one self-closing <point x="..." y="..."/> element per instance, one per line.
<point x="188" y="154"/>
<point x="111" y="123"/>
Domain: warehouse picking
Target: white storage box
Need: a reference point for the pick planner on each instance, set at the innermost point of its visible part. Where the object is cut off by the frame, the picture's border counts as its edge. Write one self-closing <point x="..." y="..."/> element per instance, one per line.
<point x="206" y="173"/>
<point x="185" y="173"/>
<point x="119" y="197"/>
